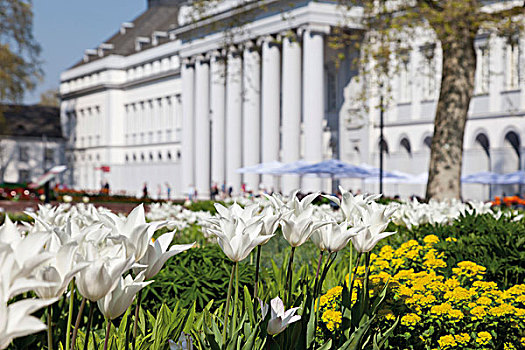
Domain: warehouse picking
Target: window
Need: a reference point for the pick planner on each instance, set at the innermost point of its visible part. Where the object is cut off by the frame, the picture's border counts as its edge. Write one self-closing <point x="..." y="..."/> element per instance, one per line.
<point x="429" y="71"/>
<point x="23" y="153"/>
<point x="405" y="145"/>
<point x="49" y="155"/>
<point x="331" y="91"/>
<point x="24" y="176"/>
<point x="512" y="65"/>
<point x="483" y="70"/>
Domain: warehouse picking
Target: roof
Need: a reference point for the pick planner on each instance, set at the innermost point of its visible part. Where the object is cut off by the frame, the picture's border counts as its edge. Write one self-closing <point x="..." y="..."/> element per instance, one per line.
<point x="31" y="121"/>
<point x="161" y="16"/>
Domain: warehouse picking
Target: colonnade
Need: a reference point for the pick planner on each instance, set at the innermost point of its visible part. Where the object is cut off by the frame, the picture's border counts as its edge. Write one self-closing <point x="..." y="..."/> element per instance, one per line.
<point x="253" y="103"/>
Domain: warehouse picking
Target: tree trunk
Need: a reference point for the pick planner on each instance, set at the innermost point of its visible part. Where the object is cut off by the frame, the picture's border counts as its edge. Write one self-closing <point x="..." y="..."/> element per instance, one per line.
<point x="457" y="85"/>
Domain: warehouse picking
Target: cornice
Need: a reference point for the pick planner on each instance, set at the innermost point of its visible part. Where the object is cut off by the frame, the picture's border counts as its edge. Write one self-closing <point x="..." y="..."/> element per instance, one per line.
<point x="124" y="86"/>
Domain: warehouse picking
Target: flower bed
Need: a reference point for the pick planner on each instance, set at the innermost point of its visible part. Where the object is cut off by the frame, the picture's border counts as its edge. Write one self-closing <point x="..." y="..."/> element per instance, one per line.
<point x="273" y="281"/>
<point x="436" y="310"/>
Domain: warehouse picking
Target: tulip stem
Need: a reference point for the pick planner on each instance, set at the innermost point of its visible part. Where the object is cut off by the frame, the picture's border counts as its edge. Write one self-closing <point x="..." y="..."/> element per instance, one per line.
<point x="288" y="287"/>
<point x="70" y="315"/>
<point x="227" y="309"/>
<point x="236" y="300"/>
<point x="257" y="264"/>
<point x="49" y="328"/>
<point x="317" y="272"/>
<point x="350" y="264"/>
<point x="317" y="295"/>
<point x="136" y="321"/>
<point x="77" y="323"/>
<point x="108" y="329"/>
<point x="88" y="329"/>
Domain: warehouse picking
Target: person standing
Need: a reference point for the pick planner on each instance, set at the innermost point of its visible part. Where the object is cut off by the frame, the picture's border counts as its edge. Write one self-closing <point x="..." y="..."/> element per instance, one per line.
<point x="145" y="190"/>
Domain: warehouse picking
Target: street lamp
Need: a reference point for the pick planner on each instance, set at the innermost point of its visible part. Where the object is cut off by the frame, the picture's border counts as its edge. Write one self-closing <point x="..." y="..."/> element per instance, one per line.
<point x="381" y="144"/>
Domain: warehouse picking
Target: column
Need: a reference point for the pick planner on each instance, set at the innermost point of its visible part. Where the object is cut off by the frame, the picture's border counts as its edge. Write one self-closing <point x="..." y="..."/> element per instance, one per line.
<point x="233" y="120"/>
<point x="187" y="144"/>
<point x="202" y="127"/>
<point x="270" y="106"/>
<point x="217" y="98"/>
<point x="313" y="102"/>
<point x="251" y="113"/>
<point x="291" y="109"/>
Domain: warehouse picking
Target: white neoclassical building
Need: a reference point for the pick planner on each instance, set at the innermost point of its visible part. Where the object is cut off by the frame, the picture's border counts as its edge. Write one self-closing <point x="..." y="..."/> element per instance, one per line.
<point x="174" y="100"/>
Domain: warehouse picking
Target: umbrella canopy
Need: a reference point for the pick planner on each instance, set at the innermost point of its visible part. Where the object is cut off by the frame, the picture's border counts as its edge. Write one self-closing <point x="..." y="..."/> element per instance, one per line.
<point x="517" y="177"/>
<point x="261" y="168"/>
<point x="484" y="177"/>
<point x="288" y="168"/>
<point x="333" y="168"/>
<point x="390" y="177"/>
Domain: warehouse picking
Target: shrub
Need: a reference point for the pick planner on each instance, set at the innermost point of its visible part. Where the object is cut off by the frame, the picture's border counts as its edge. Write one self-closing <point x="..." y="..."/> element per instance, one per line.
<point x="496" y="243"/>
<point x="199" y="274"/>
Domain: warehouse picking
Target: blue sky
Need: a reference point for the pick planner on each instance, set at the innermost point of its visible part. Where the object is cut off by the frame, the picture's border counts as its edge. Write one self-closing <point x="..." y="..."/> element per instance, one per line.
<point x="65" y="28"/>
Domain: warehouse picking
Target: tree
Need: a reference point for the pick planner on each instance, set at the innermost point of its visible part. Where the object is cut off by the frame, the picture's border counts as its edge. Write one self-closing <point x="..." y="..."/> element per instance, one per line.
<point x="454" y="25"/>
<point x="19" y="52"/>
<point x="50" y="98"/>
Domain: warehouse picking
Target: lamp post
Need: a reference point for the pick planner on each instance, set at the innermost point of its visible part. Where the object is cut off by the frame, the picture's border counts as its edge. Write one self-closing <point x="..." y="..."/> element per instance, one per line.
<point x="381" y="144"/>
<point x="44" y="163"/>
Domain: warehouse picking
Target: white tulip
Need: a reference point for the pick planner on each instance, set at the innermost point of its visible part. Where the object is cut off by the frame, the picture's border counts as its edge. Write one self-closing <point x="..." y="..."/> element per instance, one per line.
<point x="61" y="271"/>
<point x="157" y="254"/>
<point x="280" y="319"/>
<point x="16" y="320"/>
<point x="351" y="205"/>
<point x="120" y="299"/>
<point x="137" y="232"/>
<point x="237" y="238"/>
<point x="375" y="218"/>
<point x="334" y="237"/>
<point x="102" y="275"/>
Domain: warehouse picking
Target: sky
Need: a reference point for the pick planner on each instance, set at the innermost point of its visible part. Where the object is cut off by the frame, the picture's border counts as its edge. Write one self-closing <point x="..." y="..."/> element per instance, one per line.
<point x="65" y="28"/>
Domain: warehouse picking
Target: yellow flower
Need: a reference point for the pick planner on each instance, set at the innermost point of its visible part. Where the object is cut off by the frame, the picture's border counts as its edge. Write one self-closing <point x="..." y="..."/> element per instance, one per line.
<point x="332" y="319"/>
<point x="431" y="239"/>
<point x="483" y="338"/>
<point x="462" y="338"/>
<point x="502" y="310"/>
<point x="334" y="293"/>
<point x="484" y="301"/>
<point x="478" y="312"/>
<point x="459" y="294"/>
<point x="410" y="320"/>
<point x="468" y="269"/>
<point x="484" y="285"/>
<point x="455" y="315"/>
<point x="441" y="309"/>
<point x="447" y="341"/>
<point x="451" y="239"/>
<point x="452" y="283"/>
<point x="508" y="346"/>
<point x="434" y="263"/>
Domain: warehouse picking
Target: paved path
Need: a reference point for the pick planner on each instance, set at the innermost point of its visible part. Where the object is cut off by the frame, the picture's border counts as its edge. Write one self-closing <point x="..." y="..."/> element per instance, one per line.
<point x="20" y="206"/>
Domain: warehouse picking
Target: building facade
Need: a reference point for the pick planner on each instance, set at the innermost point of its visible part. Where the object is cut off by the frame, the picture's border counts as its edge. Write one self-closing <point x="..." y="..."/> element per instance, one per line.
<point x="175" y="101"/>
<point x="31" y="142"/>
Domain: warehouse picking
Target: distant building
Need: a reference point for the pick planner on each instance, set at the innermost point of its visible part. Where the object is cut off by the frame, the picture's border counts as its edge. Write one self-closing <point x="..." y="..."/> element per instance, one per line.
<point x="31" y="141"/>
<point x="170" y="99"/>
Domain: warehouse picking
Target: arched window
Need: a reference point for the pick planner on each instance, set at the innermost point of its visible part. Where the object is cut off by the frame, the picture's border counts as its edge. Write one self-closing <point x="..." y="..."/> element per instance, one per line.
<point x="483" y="141"/>
<point x="383" y="145"/>
<point x="514" y="140"/>
<point x="405" y="145"/>
<point x="428" y="141"/>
